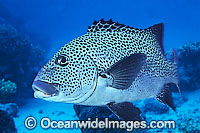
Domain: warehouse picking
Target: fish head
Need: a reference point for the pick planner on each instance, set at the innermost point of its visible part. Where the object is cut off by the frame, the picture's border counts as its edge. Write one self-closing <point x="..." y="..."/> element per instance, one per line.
<point x="70" y="75"/>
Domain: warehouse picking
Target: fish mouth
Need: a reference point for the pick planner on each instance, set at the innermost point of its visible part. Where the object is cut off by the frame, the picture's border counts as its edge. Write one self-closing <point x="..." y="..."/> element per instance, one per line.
<point x="44" y="89"/>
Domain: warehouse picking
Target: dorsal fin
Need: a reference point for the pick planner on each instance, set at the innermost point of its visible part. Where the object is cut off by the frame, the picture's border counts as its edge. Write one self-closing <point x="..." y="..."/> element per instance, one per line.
<point x="109" y="26"/>
<point x="155" y="31"/>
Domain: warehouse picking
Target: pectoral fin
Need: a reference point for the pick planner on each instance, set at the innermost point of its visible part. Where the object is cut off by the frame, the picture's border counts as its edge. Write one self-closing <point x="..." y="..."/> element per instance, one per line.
<point x="125" y="111"/>
<point x="126" y="70"/>
<point x="165" y="96"/>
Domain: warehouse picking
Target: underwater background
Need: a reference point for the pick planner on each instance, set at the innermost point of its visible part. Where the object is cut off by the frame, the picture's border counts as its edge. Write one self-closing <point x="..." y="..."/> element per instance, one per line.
<point x="31" y="31"/>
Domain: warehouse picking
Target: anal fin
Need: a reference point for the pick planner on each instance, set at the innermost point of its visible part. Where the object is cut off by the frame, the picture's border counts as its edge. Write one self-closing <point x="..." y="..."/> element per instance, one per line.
<point x="165" y="96"/>
<point x="125" y="111"/>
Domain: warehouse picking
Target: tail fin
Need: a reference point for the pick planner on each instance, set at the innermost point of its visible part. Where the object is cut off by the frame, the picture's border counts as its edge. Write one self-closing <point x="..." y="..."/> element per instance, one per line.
<point x="175" y="61"/>
<point x="174" y="56"/>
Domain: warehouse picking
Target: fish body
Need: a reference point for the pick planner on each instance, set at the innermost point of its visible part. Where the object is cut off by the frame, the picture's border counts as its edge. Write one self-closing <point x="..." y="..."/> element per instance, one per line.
<point x="111" y="63"/>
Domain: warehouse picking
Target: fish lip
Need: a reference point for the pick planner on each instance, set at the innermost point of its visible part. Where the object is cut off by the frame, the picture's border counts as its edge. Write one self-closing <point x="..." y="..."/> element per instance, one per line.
<point x="50" y="90"/>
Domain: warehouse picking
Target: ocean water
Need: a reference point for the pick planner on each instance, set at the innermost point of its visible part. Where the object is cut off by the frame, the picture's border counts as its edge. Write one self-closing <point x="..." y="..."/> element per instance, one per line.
<point x="32" y="31"/>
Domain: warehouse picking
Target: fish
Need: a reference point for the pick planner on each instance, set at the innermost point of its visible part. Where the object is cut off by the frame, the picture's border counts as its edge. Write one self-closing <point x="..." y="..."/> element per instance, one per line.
<point x="111" y="65"/>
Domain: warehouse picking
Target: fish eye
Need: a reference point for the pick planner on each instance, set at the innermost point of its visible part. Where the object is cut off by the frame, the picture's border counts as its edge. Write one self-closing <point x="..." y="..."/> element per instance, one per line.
<point x="62" y="60"/>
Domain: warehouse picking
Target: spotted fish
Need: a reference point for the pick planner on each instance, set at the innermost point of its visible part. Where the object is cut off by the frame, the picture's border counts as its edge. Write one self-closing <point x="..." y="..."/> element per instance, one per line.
<point x="112" y="64"/>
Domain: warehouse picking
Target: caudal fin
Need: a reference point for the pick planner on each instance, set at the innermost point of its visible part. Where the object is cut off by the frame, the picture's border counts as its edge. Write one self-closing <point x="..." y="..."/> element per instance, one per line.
<point x="174" y="59"/>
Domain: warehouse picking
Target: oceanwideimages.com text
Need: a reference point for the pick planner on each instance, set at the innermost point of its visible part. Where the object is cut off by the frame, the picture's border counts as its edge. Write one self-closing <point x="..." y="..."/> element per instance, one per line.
<point x="47" y="123"/>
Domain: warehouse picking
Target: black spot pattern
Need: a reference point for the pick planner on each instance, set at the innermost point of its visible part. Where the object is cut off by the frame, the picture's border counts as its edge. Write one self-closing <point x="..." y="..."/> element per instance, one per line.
<point x="105" y="43"/>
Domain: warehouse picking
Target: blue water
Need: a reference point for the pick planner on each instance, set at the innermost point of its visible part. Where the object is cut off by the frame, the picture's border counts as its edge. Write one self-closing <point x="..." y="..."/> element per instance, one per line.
<point x="64" y="20"/>
<point x="49" y="24"/>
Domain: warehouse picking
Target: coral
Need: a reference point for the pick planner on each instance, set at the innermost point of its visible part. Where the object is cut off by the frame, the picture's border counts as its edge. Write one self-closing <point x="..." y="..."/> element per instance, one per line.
<point x="7" y="124"/>
<point x="95" y="112"/>
<point x="188" y="121"/>
<point x="153" y="106"/>
<point x="188" y="124"/>
<point x="100" y="112"/>
<point x="7" y="88"/>
<point x="19" y="61"/>
<point x="85" y="112"/>
<point x="189" y="66"/>
<point x="179" y="99"/>
<point x="10" y="108"/>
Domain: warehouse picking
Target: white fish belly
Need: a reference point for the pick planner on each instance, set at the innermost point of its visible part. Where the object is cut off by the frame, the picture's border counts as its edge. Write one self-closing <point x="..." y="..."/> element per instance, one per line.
<point x="146" y="88"/>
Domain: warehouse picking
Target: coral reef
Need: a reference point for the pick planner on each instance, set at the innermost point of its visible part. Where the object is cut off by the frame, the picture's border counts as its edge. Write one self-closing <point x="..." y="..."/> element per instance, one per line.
<point x="188" y="123"/>
<point x="7" y="89"/>
<point x="7" y="124"/>
<point x="189" y="66"/>
<point x="10" y="108"/>
<point x="19" y="61"/>
<point x="85" y="112"/>
<point x="153" y="106"/>
<point x="8" y="18"/>
<point x="95" y="112"/>
<point x="100" y="112"/>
